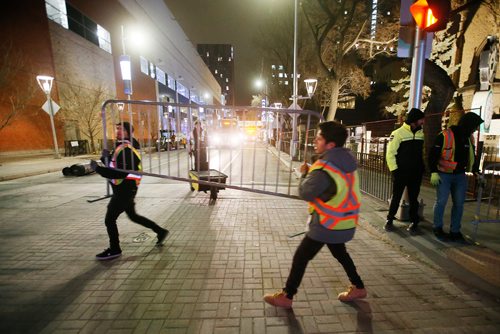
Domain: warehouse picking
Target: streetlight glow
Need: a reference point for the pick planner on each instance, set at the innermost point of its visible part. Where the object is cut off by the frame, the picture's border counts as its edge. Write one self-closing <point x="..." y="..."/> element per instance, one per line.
<point x="311" y="85"/>
<point x="45" y="83"/>
<point x="125" y="67"/>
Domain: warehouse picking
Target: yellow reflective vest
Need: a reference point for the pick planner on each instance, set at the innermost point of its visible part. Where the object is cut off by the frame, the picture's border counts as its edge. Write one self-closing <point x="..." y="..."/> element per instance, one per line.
<point x="113" y="164"/>
<point x="340" y="212"/>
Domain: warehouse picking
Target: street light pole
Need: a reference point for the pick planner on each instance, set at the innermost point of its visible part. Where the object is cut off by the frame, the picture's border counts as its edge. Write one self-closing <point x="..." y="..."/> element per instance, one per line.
<point x="294" y="141"/>
<point x="45" y="83"/>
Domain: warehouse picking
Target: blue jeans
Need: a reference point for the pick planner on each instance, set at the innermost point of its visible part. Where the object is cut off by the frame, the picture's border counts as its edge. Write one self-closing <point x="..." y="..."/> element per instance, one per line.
<point x="456" y="185"/>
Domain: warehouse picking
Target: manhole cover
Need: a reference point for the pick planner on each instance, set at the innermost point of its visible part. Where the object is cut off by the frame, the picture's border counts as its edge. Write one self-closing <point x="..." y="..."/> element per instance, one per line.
<point x="141" y="237"/>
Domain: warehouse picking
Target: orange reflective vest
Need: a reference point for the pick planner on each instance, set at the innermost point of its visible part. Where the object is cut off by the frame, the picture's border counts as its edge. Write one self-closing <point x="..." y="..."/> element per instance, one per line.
<point x="447" y="163"/>
<point x="340" y="212"/>
<point x="137" y="177"/>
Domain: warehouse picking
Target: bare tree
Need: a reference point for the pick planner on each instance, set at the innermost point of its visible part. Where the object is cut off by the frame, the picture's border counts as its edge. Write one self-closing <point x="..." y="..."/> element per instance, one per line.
<point x="82" y="106"/>
<point x="343" y="37"/>
<point x="17" y="85"/>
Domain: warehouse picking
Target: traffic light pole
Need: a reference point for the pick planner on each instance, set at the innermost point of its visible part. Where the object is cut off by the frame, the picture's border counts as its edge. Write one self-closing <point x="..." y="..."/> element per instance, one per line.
<point x="417" y="69"/>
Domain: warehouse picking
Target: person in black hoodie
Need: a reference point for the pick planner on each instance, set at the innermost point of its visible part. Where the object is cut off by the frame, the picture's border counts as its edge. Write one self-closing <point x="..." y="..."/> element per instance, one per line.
<point x="331" y="187"/>
<point x="450" y="157"/>
<point x="125" y="156"/>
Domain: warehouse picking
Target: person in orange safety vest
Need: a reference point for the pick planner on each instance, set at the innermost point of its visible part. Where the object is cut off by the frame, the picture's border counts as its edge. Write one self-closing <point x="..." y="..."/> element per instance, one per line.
<point x="331" y="187"/>
<point x="451" y="156"/>
<point x="125" y="185"/>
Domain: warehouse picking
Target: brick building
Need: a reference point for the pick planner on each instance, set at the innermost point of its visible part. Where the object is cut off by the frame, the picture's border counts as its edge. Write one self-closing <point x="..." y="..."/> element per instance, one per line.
<point x="79" y="43"/>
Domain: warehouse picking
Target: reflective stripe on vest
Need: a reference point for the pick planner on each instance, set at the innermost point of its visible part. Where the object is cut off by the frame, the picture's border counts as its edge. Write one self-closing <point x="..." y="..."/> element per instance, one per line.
<point x="338" y="213"/>
<point x="447" y="163"/>
<point x="137" y="177"/>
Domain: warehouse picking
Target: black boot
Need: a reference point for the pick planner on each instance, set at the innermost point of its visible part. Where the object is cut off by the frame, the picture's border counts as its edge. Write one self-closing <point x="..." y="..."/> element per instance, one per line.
<point x="389" y="226"/>
<point x="413" y="228"/>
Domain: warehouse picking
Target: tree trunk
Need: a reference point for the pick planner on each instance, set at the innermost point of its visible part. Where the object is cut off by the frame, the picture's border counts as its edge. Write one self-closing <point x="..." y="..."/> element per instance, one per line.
<point x="334" y="99"/>
<point x="442" y="92"/>
<point x="441" y="85"/>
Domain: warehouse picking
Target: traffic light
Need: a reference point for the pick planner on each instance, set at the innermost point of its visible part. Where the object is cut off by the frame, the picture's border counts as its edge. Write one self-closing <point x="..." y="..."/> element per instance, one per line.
<point x="431" y="15"/>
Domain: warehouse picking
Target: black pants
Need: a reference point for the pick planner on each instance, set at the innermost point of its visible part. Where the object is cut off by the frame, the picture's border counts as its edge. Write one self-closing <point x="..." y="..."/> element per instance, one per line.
<point x="404" y="180"/>
<point x="306" y="251"/>
<point x="123" y="201"/>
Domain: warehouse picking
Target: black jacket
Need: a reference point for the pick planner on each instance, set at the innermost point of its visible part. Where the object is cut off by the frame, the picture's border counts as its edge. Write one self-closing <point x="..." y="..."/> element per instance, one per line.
<point x="126" y="159"/>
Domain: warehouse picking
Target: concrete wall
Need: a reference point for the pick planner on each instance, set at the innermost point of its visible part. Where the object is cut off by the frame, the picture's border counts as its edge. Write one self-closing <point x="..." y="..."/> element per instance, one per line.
<point x="82" y="65"/>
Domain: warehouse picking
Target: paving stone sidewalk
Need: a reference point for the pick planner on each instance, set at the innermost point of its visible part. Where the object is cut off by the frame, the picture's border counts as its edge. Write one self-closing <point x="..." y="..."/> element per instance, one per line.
<point x="212" y="272"/>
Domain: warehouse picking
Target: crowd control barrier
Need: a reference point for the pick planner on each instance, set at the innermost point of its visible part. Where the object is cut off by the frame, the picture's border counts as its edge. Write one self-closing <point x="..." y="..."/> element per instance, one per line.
<point x="488" y="197"/>
<point x="216" y="147"/>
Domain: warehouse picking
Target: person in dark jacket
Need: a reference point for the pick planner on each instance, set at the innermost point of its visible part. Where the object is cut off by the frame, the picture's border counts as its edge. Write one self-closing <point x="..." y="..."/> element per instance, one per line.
<point x="451" y="156"/>
<point x="331" y="187"/>
<point x="124" y="156"/>
<point x="405" y="159"/>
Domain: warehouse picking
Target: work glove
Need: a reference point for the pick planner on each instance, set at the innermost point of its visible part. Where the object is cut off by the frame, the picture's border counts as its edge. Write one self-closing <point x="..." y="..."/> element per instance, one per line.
<point x="435" y="179"/>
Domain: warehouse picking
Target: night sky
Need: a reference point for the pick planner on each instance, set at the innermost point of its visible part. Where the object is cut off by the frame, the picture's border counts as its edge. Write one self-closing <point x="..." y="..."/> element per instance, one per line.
<point x="233" y="22"/>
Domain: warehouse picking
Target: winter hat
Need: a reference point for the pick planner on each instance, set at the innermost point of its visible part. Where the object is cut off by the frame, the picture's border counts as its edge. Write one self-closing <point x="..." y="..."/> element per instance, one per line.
<point x="469" y="122"/>
<point x="414" y="115"/>
<point x="128" y="127"/>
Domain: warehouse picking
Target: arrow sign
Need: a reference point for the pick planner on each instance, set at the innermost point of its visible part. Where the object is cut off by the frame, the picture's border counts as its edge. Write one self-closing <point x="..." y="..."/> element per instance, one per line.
<point x="46" y="107"/>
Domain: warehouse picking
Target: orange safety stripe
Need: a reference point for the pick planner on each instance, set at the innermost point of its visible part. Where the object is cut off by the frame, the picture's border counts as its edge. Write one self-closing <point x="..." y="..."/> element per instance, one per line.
<point x="333" y="215"/>
<point x="129" y="176"/>
<point x="447" y="152"/>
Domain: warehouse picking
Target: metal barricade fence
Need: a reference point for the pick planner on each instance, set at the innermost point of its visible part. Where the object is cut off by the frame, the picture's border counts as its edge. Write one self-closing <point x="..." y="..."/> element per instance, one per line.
<point x="488" y="197"/>
<point x="241" y="144"/>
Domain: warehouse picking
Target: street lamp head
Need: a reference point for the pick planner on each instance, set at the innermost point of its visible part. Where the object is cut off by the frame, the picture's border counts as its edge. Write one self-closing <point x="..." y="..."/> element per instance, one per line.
<point x="126" y="74"/>
<point x="259" y="83"/>
<point x="45" y="83"/>
<point x="125" y="67"/>
<point x="311" y="85"/>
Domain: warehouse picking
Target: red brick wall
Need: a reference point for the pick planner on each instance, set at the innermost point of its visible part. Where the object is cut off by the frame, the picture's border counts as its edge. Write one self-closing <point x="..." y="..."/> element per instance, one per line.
<point x="24" y="26"/>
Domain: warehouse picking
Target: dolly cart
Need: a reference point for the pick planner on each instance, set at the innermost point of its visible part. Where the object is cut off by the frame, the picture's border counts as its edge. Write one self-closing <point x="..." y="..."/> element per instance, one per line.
<point x="210" y="175"/>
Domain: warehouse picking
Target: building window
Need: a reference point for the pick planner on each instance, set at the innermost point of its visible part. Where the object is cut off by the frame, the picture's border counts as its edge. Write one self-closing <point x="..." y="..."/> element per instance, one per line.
<point x="170" y="82"/>
<point x="227" y="87"/>
<point x="160" y="76"/>
<point x="181" y="89"/>
<point x="104" y="39"/>
<point x="215" y="71"/>
<point x="71" y="18"/>
<point x="144" y="65"/>
<point x="56" y="11"/>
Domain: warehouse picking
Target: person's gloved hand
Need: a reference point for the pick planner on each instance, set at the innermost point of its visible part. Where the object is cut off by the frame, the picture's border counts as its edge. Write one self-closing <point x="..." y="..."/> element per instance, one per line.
<point x="93" y="165"/>
<point x="435" y="179"/>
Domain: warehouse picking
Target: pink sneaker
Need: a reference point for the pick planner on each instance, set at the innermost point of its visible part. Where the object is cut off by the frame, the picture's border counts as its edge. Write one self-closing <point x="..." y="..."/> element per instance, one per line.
<point x="278" y="299"/>
<point x="351" y="294"/>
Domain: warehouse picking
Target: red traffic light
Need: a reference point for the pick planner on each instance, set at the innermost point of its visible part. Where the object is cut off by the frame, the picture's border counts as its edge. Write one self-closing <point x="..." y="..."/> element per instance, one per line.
<point x="431" y="15"/>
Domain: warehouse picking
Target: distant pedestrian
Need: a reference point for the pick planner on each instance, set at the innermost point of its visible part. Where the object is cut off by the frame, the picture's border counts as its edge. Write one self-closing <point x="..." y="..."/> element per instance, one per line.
<point x="451" y="156"/>
<point x="331" y="187"/>
<point x="200" y="148"/>
<point x="405" y="159"/>
<point x="125" y="185"/>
